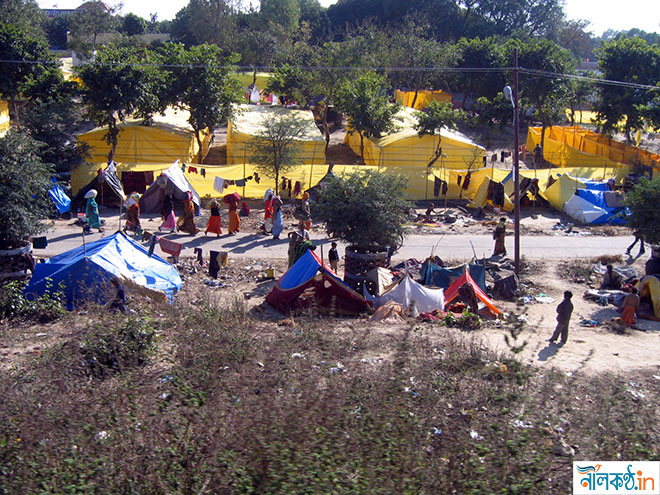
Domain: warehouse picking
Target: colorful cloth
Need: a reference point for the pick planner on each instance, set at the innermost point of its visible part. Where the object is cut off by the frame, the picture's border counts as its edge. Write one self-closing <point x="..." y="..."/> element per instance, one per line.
<point x="214" y="225"/>
<point x="234" y="219"/>
<point x="170" y="247"/>
<point x="629" y="316"/>
<point x="170" y="222"/>
<point x="278" y="224"/>
<point x="133" y="217"/>
<point x="92" y="213"/>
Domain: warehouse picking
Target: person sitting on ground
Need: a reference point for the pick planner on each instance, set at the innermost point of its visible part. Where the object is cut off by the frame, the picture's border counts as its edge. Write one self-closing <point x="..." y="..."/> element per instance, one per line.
<point x="611" y="280"/>
<point x="629" y="307"/>
<point x="245" y="210"/>
<point x="429" y="211"/>
<point x="118" y="303"/>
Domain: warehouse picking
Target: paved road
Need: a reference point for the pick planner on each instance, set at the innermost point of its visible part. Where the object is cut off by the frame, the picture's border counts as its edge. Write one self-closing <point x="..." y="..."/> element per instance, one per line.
<point x="458" y="247"/>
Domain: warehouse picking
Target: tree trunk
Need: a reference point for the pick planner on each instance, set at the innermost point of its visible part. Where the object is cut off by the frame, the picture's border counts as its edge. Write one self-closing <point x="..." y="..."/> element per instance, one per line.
<point x="200" y="153"/>
<point x="326" y="130"/>
<point x="542" y="144"/>
<point x="362" y="147"/>
<point x="113" y="133"/>
<point x="436" y="153"/>
<point x="277" y="182"/>
<point x="17" y="115"/>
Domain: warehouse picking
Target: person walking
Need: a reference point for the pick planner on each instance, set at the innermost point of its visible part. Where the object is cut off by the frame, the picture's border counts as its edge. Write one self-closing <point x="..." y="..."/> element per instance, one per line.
<point x="268" y="211"/>
<point x="278" y="222"/>
<point x="639" y="238"/>
<point x="499" y="234"/>
<point x="186" y="223"/>
<point x="92" y="212"/>
<point x="564" y="312"/>
<point x="214" y="224"/>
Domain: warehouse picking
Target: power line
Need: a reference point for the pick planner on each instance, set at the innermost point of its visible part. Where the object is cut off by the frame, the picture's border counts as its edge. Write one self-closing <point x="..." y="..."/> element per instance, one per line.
<point x="245" y="68"/>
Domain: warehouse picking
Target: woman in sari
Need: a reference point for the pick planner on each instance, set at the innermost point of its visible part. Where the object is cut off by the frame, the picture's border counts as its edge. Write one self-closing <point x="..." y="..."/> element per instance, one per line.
<point x="186" y="223"/>
<point x="133" y="214"/>
<point x="278" y="223"/>
<point x="268" y="211"/>
<point x="234" y="219"/>
<point x="92" y="212"/>
<point x="499" y="235"/>
<point x="215" y="222"/>
<point x="167" y="212"/>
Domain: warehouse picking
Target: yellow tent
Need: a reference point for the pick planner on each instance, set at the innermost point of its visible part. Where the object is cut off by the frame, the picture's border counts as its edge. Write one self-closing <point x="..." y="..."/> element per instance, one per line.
<point x="4" y="118"/>
<point x="169" y="138"/>
<point x="574" y="146"/>
<point x="249" y="122"/>
<point x="405" y="148"/>
<point x="650" y="287"/>
<point x="424" y="98"/>
<point x="562" y="190"/>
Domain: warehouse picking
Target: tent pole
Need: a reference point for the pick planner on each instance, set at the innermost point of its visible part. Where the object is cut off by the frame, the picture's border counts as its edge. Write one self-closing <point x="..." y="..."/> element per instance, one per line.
<point x="244" y="149"/>
<point x="516" y="166"/>
<point x="121" y="203"/>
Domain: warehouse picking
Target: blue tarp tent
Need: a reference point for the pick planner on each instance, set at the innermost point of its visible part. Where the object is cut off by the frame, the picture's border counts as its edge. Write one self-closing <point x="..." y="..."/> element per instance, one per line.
<point x="591" y="206"/>
<point x="83" y="274"/>
<point x="443" y="277"/>
<point x="61" y="200"/>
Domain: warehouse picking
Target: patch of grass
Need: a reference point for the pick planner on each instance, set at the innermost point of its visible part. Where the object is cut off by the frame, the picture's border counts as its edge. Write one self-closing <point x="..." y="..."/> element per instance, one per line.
<point x="607" y="259"/>
<point x="226" y="404"/>
<point x="578" y="270"/>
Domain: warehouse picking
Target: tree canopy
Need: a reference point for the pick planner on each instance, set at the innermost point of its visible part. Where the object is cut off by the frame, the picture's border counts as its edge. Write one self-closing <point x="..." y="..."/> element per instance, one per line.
<point x="644" y="218"/>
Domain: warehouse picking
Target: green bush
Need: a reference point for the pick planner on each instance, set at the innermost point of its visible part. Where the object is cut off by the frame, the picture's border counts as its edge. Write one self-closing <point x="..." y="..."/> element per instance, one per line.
<point x="365" y="209"/>
<point x="14" y="305"/>
<point x="111" y="350"/>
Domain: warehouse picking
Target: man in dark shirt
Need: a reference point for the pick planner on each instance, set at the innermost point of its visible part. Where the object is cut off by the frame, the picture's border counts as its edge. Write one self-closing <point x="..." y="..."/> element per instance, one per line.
<point x="564" y="311"/>
<point x="333" y="257"/>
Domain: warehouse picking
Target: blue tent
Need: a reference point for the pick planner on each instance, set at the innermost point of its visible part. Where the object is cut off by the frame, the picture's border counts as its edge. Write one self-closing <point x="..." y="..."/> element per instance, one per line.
<point x="83" y="274"/>
<point x="443" y="277"/>
<point x="611" y="215"/>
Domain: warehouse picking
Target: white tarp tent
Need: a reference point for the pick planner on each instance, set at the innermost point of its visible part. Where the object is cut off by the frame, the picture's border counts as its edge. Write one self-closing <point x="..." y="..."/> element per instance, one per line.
<point x="172" y="181"/>
<point x="582" y="210"/>
<point x="407" y="291"/>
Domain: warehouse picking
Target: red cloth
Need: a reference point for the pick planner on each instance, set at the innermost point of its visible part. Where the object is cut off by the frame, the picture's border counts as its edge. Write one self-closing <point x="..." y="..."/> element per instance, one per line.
<point x="629" y="316"/>
<point x="268" y="209"/>
<point x="170" y="247"/>
<point x="214" y="225"/>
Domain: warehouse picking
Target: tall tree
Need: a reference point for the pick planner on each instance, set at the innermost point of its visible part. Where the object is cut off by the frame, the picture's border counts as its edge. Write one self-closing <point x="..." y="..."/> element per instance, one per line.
<point x="581" y="93"/>
<point x="482" y="55"/>
<point x="92" y="19"/>
<point x="116" y="85"/>
<point x="547" y="96"/>
<point x="200" y="82"/>
<point x="284" y="14"/>
<point x="133" y="25"/>
<point x="207" y="21"/>
<point x="276" y="148"/>
<point x="365" y="101"/>
<point x="644" y="216"/>
<point x="25" y="59"/>
<point x="25" y="15"/>
<point x="439" y="116"/>
<point x="630" y="60"/>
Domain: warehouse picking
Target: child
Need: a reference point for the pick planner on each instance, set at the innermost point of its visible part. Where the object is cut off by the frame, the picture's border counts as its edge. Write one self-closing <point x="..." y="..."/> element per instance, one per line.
<point x="429" y="211"/>
<point x="564" y="311"/>
<point x="333" y="257"/>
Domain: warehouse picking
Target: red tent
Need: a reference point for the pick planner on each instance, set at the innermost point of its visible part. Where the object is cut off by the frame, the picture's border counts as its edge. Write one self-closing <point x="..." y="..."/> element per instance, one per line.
<point x="452" y="292"/>
<point x="309" y="279"/>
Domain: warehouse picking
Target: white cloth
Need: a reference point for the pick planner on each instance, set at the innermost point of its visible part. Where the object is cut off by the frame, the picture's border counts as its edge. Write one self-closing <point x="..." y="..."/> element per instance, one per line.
<point x="255" y="96"/>
<point x="219" y="184"/>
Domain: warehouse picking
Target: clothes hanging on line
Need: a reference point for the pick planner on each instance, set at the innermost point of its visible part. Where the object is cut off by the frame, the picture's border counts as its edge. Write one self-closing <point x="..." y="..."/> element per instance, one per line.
<point x="466" y="182"/>
<point x="297" y="189"/>
<point x="219" y="184"/>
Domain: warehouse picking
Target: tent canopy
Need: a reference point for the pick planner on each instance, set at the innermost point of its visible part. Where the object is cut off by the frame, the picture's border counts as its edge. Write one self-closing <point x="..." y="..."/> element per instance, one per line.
<point x="452" y="292"/>
<point x="248" y="122"/>
<point x="443" y="277"/>
<point x="310" y="273"/>
<point x="107" y="184"/>
<point x="424" y="98"/>
<point x="172" y="180"/>
<point x="405" y="147"/>
<point x="83" y="274"/>
<point x="407" y="291"/>
<point x="170" y="137"/>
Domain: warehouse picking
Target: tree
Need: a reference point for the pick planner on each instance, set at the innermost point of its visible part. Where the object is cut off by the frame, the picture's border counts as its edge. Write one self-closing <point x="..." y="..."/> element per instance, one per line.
<point x="200" y="82"/>
<point x="581" y="93"/>
<point x="25" y="15"/>
<point x="88" y="22"/>
<point x="439" y="116"/>
<point x="133" y="25"/>
<point x="24" y="185"/>
<point x="207" y="21"/>
<point x="25" y="62"/>
<point x="480" y="53"/>
<point x="366" y="209"/>
<point x="364" y="100"/>
<point x="547" y="96"/>
<point x="282" y="13"/>
<point x="642" y="201"/>
<point x="630" y="60"/>
<point x="116" y="85"/>
<point x="275" y="149"/>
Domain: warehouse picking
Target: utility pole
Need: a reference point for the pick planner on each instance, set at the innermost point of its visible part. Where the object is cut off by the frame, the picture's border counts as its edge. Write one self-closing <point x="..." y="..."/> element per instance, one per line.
<point x="516" y="166"/>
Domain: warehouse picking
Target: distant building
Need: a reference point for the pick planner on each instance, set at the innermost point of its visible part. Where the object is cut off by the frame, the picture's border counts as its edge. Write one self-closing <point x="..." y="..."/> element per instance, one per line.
<point x="85" y="6"/>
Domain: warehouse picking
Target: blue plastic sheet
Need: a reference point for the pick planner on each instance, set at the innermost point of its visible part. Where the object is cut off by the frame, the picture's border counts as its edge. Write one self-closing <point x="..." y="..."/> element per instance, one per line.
<point x="61" y="200"/>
